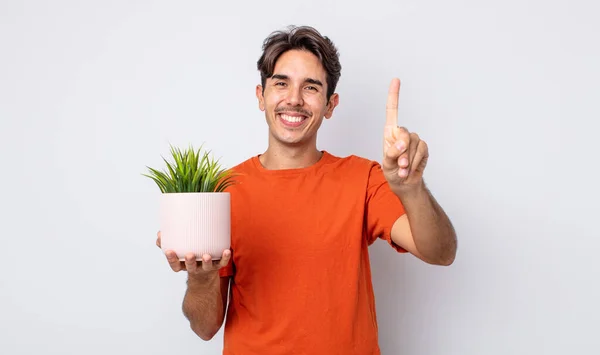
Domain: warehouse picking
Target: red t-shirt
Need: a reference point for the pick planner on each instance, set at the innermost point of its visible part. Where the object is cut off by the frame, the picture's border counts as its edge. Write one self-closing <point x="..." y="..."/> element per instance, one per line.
<point x="301" y="273"/>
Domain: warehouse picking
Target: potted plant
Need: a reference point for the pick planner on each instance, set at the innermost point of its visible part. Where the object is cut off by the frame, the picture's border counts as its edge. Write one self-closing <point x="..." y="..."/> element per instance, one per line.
<point x="195" y="210"/>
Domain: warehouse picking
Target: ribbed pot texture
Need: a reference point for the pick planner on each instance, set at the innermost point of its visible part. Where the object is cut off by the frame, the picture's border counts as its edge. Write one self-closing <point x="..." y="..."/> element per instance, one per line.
<point x="196" y="222"/>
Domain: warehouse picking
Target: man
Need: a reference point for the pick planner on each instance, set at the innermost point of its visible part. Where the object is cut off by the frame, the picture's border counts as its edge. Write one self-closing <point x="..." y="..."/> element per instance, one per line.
<point x="302" y="220"/>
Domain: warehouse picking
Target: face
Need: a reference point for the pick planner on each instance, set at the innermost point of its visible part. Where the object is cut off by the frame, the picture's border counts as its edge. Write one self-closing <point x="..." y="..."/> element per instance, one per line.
<point x="295" y="98"/>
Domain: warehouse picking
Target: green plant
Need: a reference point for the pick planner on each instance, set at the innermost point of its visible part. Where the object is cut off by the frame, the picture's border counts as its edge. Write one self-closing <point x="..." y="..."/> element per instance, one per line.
<point x="191" y="171"/>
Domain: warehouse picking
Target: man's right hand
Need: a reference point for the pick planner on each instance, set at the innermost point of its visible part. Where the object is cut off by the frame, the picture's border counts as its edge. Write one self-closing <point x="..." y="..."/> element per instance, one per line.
<point x="195" y="268"/>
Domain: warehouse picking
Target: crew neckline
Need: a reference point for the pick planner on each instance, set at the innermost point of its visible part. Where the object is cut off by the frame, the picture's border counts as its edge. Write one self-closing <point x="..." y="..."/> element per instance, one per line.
<point x="325" y="158"/>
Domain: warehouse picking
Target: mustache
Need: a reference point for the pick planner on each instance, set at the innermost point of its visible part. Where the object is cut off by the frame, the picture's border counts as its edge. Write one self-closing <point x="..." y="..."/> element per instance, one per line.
<point x="293" y="109"/>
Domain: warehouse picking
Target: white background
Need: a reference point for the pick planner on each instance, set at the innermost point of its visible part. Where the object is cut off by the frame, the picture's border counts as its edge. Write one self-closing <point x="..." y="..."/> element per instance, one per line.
<point x="505" y="93"/>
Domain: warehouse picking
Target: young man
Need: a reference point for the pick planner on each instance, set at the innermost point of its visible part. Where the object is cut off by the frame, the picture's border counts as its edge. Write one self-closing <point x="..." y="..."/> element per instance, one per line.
<point x="302" y="220"/>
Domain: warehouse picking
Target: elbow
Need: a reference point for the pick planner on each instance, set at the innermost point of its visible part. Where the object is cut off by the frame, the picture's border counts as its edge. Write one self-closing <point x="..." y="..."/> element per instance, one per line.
<point x="204" y="334"/>
<point x="447" y="261"/>
<point x="206" y="337"/>
<point x="441" y="261"/>
<point x="448" y="256"/>
<point x="444" y="256"/>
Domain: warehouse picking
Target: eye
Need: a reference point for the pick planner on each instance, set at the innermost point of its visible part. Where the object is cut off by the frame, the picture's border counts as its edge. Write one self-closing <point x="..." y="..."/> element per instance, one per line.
<point x="280" y="83"/>
<point x="312" y="88"/>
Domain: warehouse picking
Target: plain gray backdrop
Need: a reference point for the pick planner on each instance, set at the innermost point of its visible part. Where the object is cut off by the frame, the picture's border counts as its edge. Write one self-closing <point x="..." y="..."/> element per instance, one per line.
<point x="505" y="93"/>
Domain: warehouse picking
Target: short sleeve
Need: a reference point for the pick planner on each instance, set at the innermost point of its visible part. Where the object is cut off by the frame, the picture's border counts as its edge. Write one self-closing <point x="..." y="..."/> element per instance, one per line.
<point x="382" y="208"/>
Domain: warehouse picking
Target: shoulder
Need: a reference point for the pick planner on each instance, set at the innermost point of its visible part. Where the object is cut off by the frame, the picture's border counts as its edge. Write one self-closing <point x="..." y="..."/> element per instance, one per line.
<point x="244" y="166"/>
<point x="352" y="162"/>
<point x="353" y="170"/>
<point x="241" y="172"/>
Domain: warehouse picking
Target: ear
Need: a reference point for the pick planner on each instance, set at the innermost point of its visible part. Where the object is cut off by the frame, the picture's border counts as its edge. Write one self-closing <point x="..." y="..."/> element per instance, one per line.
<point x="260" y="97"/>
<point x="334" y="100"/>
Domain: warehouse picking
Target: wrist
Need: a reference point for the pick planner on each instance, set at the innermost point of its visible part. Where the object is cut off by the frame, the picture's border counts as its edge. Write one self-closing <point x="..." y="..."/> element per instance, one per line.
<point x="412" y="191"/>
<point x="202" y="279"/>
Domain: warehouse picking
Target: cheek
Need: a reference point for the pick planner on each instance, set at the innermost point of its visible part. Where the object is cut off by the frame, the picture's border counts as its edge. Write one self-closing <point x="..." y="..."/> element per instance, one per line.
<point x="317" y="105"/>
<point x="272" y="102"/>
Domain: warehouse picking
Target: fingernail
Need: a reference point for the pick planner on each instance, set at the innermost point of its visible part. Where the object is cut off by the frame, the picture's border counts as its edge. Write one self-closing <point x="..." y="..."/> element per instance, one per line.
<point x="403" y="172"/>
<point x="400" y="146"/>
<point x="403" y="162"/>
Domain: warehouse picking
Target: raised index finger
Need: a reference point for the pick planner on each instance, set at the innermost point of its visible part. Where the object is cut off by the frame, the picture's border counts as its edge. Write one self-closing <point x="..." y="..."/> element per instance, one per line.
<point x="391" y="118"/>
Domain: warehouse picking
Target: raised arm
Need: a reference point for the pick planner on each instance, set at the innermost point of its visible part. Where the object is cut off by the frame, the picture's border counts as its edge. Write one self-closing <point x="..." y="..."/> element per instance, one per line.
<point x="425" y="230"/>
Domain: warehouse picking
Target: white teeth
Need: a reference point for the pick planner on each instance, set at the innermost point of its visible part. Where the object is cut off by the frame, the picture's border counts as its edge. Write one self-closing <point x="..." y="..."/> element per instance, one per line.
<point x="292" y="119"/>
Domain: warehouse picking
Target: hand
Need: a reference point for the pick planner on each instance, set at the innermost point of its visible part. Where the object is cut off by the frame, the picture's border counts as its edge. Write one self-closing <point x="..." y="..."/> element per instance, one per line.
<point x="404" y="154"/>
<point x="191" y="265"/>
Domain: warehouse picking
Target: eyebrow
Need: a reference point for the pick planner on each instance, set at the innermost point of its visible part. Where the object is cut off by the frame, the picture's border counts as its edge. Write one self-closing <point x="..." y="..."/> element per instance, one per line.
<point x="307" y="80"/>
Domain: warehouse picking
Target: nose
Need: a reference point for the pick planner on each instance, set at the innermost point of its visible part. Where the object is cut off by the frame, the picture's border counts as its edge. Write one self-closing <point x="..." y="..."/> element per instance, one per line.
<point x="294" y="97"/>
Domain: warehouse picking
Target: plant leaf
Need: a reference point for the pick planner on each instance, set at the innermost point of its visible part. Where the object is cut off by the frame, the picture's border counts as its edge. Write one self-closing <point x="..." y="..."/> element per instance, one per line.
<point x="192" y="170"/>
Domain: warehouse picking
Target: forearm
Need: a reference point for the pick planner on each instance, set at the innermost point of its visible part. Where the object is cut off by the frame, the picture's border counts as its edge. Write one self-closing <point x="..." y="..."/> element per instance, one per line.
<point x="432" y="231"/>
<point x="203" y="305"/>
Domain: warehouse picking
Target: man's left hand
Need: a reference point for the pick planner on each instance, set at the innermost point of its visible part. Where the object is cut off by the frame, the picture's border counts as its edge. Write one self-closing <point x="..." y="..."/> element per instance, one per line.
<point x="404" y="154"/>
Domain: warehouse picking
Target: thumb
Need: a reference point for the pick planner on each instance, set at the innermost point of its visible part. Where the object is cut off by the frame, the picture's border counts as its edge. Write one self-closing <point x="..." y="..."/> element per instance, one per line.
<point x="393" y="149"/>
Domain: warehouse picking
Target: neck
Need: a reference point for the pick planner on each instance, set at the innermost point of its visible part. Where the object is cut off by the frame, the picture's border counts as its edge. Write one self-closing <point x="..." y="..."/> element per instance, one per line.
<point x="278" y="157"/>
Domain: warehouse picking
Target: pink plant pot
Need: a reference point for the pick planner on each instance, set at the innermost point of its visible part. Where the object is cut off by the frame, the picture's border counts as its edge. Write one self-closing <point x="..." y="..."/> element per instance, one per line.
<point x="195" y="222"/>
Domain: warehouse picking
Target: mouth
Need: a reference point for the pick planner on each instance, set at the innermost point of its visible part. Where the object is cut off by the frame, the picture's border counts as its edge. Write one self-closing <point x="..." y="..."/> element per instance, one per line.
<point x="292" y="119"/>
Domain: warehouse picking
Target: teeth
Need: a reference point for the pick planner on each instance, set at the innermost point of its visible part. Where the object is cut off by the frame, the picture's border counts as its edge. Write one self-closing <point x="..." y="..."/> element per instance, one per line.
<point x="292" y="119"/>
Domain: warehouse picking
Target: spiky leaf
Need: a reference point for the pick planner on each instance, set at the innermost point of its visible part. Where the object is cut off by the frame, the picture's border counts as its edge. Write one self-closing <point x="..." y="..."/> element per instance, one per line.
<point x="191" y="171"/>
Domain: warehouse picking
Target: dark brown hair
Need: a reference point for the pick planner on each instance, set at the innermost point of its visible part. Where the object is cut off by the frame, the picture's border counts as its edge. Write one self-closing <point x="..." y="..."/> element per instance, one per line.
<point x="302" y="38"/>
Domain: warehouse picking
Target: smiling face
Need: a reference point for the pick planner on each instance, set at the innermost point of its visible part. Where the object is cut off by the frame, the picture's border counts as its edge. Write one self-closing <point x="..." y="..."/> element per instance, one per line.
<point x="295" y="99"/>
